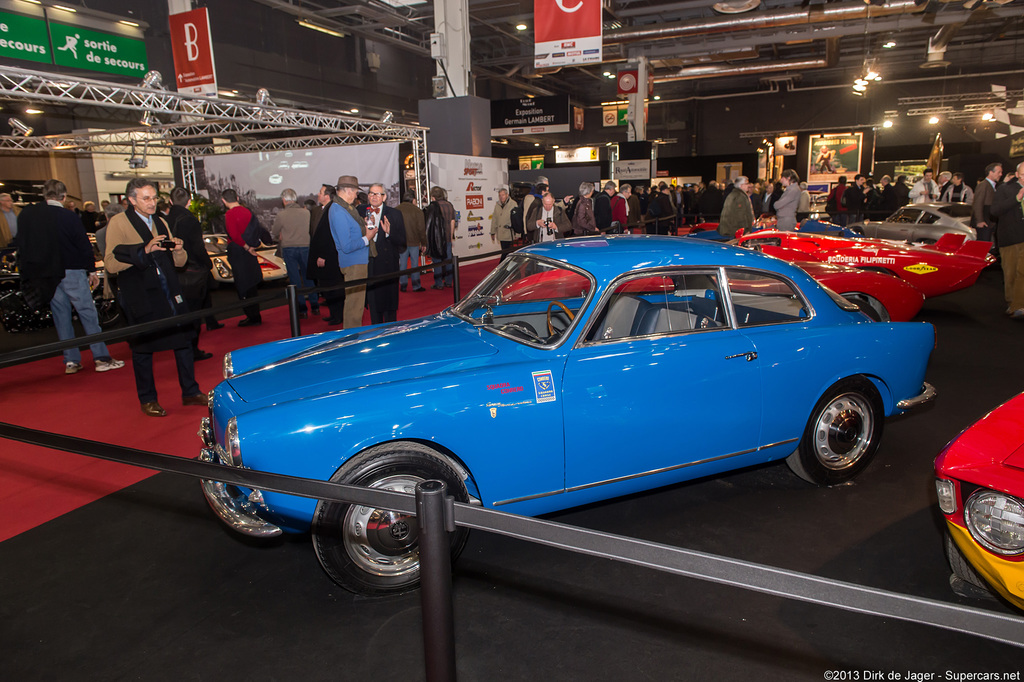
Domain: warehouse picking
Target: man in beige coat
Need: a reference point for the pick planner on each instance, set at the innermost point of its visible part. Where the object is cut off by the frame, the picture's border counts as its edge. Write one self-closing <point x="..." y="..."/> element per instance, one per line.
<point x="501" y="222"/>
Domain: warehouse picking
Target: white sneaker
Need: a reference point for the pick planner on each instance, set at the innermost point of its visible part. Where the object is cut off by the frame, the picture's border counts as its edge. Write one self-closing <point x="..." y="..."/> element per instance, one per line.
<point x="71" y="367"/>
<point x="107" y="365"/>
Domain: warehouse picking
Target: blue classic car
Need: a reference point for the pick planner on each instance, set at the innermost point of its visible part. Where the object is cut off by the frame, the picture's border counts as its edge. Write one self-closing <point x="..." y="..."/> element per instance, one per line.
<point x="562" y="379"/>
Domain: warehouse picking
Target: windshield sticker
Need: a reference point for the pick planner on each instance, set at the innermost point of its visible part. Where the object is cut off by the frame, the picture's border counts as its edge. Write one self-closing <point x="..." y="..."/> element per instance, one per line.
<point x="544" y="386"/>
<point x="920" y="268"/>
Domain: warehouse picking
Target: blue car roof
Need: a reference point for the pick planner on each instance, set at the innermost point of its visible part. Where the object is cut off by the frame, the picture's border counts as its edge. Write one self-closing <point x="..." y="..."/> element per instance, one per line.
<point x="609" y="256"/>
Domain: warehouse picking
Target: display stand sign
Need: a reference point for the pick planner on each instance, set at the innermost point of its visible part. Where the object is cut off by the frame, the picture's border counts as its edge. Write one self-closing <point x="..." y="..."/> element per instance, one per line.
<point x="631" y="169"/>
<point x="530" y="115"/>
<point x="834" y="155"/>
<point x="192" y="47"/>
<point x="578" y="155"/>
<point x="566" y="32"/>
<point x="472" y="184"/>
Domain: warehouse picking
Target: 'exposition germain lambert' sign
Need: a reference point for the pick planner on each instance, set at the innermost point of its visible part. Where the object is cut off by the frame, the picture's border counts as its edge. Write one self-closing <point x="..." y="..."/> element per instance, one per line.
<point x="76" y="43"/>
<point x="530" y="115"/>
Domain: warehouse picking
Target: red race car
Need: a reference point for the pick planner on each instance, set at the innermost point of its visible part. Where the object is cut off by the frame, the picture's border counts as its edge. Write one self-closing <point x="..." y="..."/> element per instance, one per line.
<point x="980" y="485"/>
<point x="950" y="264"/>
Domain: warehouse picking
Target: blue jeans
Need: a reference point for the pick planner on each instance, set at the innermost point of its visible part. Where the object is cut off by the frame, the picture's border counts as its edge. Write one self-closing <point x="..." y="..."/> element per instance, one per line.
<point x="73" y="291"/>
<point x="411" y="256"/>
<point x="447" y="270"/>
<point x="295" y="258"/>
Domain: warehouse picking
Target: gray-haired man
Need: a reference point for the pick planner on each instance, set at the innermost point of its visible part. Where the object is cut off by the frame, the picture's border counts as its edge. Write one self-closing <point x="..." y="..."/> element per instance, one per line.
<point x="291" y="231"/>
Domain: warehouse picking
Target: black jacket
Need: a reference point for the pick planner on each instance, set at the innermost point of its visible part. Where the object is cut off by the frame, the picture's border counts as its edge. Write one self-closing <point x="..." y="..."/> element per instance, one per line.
<point x="602" y="210"/>
<point x="1005" y="208"/>
<point x="321" y="245"/>
<point x="384" y="295"/>
<point x="186" y="227"/>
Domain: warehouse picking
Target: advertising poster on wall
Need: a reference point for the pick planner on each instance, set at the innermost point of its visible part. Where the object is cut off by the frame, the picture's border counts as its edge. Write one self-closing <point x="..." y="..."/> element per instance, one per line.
<point x="472" y="184"/>
<point x="785" y="145"/>
<point x="834" y="155"/>
<point x="567" y="32"/>
<point x="260" y="177"/>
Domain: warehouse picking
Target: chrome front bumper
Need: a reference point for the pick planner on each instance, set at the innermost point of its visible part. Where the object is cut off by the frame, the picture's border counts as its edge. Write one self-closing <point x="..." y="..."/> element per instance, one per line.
<point x="927" y="393"/>
<point x="226" y="500"/>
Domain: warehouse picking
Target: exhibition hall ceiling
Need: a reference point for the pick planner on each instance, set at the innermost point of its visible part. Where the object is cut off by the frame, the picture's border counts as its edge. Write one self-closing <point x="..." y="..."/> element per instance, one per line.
<point x="701" y="48"/>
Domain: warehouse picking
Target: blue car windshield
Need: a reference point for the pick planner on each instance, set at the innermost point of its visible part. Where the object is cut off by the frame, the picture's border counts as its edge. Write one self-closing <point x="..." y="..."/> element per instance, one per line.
<point x="531" y="300"/>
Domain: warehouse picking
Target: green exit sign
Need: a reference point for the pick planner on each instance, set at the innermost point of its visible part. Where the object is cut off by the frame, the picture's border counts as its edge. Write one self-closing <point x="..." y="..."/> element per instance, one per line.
<point x="23" y="37"/>
<point x="82" y="48"/>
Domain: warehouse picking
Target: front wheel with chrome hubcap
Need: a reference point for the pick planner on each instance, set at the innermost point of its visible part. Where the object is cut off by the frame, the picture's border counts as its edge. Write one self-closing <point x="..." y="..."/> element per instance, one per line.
<point x="842" y="433"/>
<point x="376" y="551"/>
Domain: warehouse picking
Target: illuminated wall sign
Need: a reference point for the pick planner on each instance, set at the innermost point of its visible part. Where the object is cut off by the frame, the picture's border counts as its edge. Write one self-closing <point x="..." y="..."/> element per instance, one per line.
<point x="530" y="115"/>
<point x="24" y="37"/>
<point x="531" y="162"/>
<point x="84" y="48"/>
<point x="54" y="36"/>
<point x="578" y="155"/>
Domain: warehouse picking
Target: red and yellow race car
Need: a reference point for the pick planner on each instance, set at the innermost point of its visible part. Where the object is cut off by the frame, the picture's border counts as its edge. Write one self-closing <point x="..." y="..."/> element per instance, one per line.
<point x="951" y="264"/>
<point x="980" y="485"/>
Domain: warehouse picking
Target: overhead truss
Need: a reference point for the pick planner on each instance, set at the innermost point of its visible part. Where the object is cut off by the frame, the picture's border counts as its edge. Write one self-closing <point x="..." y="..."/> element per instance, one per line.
<point x="191" y="125"/>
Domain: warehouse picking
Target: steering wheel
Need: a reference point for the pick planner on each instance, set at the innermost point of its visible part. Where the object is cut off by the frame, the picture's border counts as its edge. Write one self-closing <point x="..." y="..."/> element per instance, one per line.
<point x="565" y="309"/>
<point x="520" y="328"/>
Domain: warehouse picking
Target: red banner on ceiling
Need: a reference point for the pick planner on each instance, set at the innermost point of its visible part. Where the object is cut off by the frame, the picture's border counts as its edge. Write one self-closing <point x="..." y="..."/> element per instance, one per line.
<point x="566" y="32"/>
<point x="193" y="52"/>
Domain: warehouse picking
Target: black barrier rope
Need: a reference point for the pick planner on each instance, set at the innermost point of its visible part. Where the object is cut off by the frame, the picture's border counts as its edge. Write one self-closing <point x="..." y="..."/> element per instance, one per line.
<point x="56" y="348"/>
<point x="685" y="562"/>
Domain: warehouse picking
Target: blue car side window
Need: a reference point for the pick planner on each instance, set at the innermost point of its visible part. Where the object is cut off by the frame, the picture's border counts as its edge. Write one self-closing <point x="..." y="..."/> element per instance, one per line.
<point x="760" y="298"/>
<point x="658" y="304"/>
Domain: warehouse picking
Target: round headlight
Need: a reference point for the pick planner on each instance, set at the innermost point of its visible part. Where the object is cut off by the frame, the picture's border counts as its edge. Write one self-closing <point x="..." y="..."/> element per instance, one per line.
<point x="996" y="521"/>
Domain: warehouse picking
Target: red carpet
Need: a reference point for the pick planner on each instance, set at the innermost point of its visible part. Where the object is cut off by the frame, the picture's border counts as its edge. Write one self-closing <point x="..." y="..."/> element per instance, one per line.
<point x="37" y="484"/>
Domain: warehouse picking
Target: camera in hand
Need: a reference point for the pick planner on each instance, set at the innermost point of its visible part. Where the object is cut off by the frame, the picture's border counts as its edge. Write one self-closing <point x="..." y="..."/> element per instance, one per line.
<point x="166" y="243"/>
<point x="547" y="224"/>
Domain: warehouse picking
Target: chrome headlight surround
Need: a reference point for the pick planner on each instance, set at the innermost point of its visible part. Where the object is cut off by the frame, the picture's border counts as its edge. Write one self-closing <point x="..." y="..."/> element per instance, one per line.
<point x="229" y="371"/>
<point x="232" y="453"/>
<point x="996" y="521"/>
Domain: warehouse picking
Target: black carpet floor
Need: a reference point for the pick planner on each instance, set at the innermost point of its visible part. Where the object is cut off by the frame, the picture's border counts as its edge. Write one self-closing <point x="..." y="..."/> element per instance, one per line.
<point x="147" y="585"/>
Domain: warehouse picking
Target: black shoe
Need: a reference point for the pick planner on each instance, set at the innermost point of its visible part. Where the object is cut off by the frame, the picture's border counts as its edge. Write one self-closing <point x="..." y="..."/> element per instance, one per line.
<point x="401" y="287"/>
<point x="316" y="311"/>
<point x="332" y="321"/>
<point x="437" y="287"/>
<point x="215" y="325"/>
<point x="250" y="322"/>
<point x="201" y="355"/>
<point x="419" y="289"/>
<point x="303" y="314"/>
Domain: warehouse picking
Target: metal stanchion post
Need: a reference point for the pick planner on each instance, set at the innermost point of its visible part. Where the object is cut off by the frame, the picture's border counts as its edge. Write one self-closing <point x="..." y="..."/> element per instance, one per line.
<point x="291" y="293"/>
<point x="455" y="278"/>
<point x="435" y="582"/>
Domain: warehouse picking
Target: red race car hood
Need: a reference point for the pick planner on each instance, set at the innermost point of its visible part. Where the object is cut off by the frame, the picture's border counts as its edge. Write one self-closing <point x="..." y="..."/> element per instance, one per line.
<point x="994" y="441"/>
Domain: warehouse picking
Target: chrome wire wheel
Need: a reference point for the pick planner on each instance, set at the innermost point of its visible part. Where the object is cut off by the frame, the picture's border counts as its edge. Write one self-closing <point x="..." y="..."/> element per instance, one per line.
<point x="843" y="431"/>
<point x="381" y="541"/>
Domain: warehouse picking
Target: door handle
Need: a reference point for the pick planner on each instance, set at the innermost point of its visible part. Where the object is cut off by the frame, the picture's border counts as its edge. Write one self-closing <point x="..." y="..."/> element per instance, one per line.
<point x="749" y="355"/>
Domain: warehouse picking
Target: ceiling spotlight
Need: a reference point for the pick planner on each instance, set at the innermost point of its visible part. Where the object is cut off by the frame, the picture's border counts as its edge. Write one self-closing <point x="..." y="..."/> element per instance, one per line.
<point x="263" y="97"/>
<point x="387" y="117"/>
<point x="872" y="75"/>
<point x="521" y="27"/>
<point x="147" y="119"/>
<point x="20" y="127"/>
<point x="153" y="79"/>
<point x="607" y="73"/>
<point x="887" y="123"/>
<point x="33" y="112"/>
<point x="933" y="120"/>
<point x="987" y="116"/>
<point x="657" y="97"/>
<point x="536" y="144"/>
<point x="353" y="110"/>
<point x="889" y="44"/>
<point x="861" y="82"/>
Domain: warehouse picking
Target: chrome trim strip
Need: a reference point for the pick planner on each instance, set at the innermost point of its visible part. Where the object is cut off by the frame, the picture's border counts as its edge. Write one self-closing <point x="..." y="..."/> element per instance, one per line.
<point x="927" y="393"/>
<point x="645" y="473"/>
<point x="528" y="497"/>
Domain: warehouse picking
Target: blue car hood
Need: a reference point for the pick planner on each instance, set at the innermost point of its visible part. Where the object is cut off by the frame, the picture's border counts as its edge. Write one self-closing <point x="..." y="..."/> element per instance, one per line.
<point x="339" y="361"/>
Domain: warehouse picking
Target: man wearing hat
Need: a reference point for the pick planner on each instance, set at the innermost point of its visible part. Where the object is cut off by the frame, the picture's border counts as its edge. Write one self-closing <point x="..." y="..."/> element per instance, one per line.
<point x="354" y="239"/>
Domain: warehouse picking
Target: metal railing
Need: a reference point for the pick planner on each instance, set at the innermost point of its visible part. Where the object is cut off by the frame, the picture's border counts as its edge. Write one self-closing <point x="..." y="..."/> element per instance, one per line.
<point x="440" y="514"/>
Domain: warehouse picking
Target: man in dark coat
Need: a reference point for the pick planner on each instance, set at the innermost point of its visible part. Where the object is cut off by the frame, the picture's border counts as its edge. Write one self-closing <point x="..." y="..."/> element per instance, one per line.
<point x="902" y="191"/>
<point x="603" y="207"/>
<point x="322" y="266"/>
<point x="382" y="297"/>
<point x="195" y="278"/>
<point x="140" y="252"/>
<point x="1008" y="210"/>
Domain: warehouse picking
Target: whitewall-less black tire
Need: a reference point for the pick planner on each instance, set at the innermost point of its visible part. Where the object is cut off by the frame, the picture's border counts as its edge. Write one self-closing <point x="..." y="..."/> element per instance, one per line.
<point x="376" y="551"/>
<point x="841" y="435"/>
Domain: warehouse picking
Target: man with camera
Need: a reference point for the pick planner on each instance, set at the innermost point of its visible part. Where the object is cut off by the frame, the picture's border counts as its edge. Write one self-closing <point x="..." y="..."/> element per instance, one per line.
<point x="546" y="221"/>
<point x="143" y="255"/>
